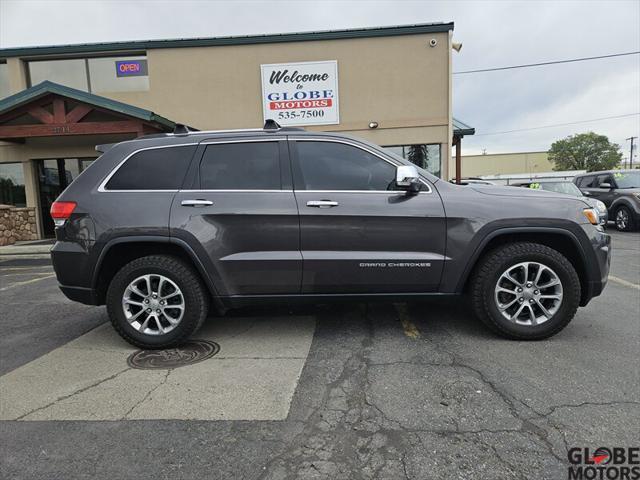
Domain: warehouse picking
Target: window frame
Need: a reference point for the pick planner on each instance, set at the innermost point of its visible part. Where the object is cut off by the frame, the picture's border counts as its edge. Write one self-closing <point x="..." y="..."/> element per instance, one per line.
<point x="142" y="53"/>
<point x="283" y="162"/>
<point x="294" y="158"/>
<point x="102" y="187"/>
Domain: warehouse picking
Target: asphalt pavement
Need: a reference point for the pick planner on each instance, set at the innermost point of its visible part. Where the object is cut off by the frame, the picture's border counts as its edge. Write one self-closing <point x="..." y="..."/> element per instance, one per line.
<point x="359" y="390"/>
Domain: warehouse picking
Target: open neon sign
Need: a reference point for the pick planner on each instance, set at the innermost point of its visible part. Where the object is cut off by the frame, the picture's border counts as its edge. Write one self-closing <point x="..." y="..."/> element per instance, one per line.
<point x="131" y="68"/>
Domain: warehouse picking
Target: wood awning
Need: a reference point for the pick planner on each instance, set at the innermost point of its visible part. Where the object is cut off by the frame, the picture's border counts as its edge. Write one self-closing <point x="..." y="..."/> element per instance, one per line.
<point x="51" y="110"/>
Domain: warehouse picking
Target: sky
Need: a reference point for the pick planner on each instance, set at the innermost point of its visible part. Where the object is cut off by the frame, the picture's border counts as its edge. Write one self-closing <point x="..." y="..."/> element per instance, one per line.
<point x="493" y="34"/>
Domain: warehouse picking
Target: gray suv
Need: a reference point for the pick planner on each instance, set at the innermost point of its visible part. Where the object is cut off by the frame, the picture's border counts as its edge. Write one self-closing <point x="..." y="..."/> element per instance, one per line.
<point x="620" y="192"/>
<point x="164" y="227"/>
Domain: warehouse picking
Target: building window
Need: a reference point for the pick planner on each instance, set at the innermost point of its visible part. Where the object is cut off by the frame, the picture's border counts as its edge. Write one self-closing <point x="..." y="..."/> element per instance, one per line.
<point x="425" y="156"/>
<point x="119" y="74"/>
<point x="4" y="80"/>
<point x="103" y="74"/>
<point x="70" y="73"/>
<point x="12" y="185"/>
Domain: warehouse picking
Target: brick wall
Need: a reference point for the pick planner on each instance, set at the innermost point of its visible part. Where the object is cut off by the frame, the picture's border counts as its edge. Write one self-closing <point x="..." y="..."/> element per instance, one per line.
<point x="17" y="224"/>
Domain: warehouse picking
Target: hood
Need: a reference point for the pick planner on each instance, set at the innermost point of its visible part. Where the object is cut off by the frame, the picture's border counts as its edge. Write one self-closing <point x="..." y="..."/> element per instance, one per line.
<point x="519" y="192"/>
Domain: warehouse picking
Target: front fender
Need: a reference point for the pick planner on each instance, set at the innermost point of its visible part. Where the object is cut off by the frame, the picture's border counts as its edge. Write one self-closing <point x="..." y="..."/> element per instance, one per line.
<point x="464" y="255"/>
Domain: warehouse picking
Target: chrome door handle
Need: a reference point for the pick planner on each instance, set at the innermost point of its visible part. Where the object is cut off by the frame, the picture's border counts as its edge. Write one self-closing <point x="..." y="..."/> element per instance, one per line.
<point x="322" y="203"/>
<point x="196" y="203"/>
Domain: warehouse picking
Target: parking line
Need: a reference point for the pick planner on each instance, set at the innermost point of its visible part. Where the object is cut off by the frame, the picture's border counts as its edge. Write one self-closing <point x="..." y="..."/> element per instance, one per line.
<point x="410" y="330"/>
<point x="26" y="282"/>
<point x="624" y="282"/>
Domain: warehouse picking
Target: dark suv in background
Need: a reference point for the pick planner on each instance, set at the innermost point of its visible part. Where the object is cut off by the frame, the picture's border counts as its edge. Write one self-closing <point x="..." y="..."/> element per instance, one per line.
<point x="161" y="227"/>
<point x="620" y="192"/>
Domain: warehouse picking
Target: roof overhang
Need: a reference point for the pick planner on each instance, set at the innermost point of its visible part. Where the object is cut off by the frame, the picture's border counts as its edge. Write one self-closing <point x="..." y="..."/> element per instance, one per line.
<point x="461" y="129"/>
<point x="49" y="109"/>
<point x="141" y="45"/>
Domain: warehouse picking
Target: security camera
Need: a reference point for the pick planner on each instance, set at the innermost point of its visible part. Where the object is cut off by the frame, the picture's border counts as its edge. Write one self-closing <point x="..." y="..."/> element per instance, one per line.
<point x="433" y="42"/>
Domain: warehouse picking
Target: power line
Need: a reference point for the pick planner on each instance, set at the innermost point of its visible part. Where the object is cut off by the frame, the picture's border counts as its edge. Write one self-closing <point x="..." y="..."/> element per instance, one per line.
<point x="547" y="63"/>
<point x="558" y="124"/>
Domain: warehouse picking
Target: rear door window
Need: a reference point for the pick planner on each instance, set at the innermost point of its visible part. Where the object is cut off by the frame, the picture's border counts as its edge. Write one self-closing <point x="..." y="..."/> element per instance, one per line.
<point x="241" y="166"/>
<point x="587" y="182"/>
<point x="153" y="169"/>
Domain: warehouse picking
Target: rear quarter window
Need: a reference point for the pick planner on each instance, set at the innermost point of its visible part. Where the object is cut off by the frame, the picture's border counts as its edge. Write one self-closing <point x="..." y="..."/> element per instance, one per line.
<point x="161" y="168"/>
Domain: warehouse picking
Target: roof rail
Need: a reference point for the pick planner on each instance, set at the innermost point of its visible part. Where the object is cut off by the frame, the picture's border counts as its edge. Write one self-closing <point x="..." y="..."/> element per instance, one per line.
<point x="271" y="125"/>
<point x="181" y="129"/>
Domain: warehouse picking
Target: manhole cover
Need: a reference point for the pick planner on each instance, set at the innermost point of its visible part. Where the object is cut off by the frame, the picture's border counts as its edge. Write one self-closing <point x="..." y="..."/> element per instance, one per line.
<point x="193" y="351"/>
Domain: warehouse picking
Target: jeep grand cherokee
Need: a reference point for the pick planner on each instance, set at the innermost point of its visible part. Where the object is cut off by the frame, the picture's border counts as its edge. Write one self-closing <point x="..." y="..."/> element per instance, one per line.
<point x="162" y="227"/>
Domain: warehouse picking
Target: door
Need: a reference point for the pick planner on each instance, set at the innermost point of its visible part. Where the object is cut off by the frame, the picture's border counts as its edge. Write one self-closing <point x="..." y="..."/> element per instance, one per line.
<point x="358" y="234"/>
<point x="54" y="175"/>
<point x="241" y="216"/>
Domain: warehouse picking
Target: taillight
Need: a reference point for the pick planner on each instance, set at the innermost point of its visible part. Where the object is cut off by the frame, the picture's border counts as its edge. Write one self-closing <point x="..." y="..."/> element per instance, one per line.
<point x="61" y="211"/>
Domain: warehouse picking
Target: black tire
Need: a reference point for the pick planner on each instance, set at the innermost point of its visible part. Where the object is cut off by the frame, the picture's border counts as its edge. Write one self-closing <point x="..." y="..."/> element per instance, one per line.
<point x="623" y="219"/>
<point x="196" y="300"/>
<point x="487" y="275"/>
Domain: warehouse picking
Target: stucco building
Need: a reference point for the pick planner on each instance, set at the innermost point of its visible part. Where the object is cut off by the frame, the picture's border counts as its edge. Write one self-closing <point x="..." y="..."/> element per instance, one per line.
<point x="504" y="163"/>
<point x="389" y="85"/>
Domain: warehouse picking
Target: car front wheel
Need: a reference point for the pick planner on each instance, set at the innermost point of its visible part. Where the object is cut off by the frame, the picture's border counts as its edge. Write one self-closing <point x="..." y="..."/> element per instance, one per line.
<point x="156" y="302"/>
<point x="525" y="291"/>
<point x="624" y="219"/>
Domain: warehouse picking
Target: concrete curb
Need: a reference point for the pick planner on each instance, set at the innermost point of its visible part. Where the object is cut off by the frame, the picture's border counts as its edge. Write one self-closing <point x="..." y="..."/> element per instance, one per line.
<point x="24" y="250"/>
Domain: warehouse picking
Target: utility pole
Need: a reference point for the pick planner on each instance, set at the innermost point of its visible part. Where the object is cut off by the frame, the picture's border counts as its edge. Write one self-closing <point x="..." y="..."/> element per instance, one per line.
<point x="631" y="139"/>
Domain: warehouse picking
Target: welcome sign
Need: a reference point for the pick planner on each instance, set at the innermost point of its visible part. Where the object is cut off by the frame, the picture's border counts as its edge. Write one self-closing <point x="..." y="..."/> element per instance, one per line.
<point x="303" y="93"/>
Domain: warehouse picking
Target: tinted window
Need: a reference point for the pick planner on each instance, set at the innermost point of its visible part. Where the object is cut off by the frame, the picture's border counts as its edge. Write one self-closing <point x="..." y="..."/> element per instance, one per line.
<point x="155" y="169"/>
<point x="241" y="166"/>
<point x="587" y="182"/>
<point x="604" y="179"/>
<point x="336" y="166"/>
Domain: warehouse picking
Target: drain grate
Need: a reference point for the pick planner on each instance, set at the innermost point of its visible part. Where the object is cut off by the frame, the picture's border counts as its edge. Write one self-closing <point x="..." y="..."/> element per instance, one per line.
<point x="193" y="351"/>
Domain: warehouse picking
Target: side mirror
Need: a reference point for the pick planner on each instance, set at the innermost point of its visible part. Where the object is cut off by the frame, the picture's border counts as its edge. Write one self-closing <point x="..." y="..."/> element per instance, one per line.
<point x="408" y="178"/>
<point x="606" y="185"/>
<point x="585" y="193"/>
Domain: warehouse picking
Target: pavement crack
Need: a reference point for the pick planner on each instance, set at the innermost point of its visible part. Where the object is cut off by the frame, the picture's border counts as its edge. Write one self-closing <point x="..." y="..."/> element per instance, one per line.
<point x="64" y="397"/>
<point x="147" y="395"/>
<point x="553" y="409"/>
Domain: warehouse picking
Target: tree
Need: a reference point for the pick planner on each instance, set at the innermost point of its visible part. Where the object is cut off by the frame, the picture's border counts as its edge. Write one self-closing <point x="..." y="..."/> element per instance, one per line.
<point x="418" y="155"/>
<point x="585" y="151"/>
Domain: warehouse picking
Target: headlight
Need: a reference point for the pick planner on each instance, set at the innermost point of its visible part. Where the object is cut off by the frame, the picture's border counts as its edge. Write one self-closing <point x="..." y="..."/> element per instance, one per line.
<point x="602" y="208"/>
<point x="637" y="195"/>
<point x="592" y="215"/>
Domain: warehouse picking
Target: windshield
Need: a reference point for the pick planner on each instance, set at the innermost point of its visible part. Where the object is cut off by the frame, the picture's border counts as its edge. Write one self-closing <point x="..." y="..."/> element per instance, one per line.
<point x="567" y="188"/>
<point x="627" y="179"/>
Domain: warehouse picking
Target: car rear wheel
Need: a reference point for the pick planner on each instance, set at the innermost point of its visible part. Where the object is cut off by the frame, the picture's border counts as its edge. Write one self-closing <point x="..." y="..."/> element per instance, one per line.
<point x="624" y="219"/>
<point x="525" y="291"/>
<point x="156" y="302"/>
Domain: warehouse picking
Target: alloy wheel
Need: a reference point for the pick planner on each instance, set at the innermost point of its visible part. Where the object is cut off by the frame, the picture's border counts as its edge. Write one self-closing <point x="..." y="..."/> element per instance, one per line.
<point x="622" y="219"/>
<point x="153" y="304"/>
<point x="528" y="293"/>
